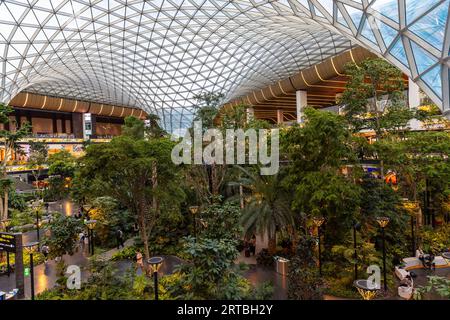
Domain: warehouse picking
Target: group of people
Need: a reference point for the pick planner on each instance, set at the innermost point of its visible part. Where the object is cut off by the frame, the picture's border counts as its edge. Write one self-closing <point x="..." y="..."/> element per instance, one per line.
<point x="427" y="259"/>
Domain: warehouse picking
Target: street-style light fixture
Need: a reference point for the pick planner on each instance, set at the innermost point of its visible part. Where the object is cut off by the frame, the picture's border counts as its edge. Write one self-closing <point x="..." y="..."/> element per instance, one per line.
<point x="31" y="248"/>
<point x="194" y="211"/>
<point x="318" y="222"/>
<point x="383" y="222"/>
<point x="36" y="205"/>
<point x="365" y="289"/>
<point x="91" y="225"/>
<point x="155" y="264"/>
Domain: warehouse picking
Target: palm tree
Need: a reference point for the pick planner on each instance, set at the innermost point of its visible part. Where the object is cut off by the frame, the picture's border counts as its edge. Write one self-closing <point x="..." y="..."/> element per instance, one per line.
<point x="267" y="210"/>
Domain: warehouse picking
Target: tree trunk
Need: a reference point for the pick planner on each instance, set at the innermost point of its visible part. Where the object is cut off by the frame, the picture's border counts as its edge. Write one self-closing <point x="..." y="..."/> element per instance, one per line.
<point x="155" y="203"/>
<point x="2" y="217"/>
<point x="5" y="206"/>
<point x="241" y="195"/>
<point x="272" y="245"/>
<point x="144" y="235"/>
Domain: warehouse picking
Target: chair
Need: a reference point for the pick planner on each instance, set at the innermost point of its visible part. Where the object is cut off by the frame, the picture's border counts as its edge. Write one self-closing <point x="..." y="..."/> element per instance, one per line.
<point x="406" y="292"/>
<point x="401" y="272"/>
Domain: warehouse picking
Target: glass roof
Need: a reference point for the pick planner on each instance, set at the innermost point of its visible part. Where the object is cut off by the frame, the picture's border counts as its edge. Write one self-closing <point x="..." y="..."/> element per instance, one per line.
<point x="158" y="54"/>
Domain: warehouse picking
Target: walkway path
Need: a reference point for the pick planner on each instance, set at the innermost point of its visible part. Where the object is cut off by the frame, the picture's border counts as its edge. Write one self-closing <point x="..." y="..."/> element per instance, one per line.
<point x="46" y="274"/>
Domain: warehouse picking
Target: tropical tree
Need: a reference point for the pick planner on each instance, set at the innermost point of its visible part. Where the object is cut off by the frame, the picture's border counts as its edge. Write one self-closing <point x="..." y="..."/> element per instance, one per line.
<point x="267" y="210"/>
<point x="137" y="172"/>
<point x="10" y="139"/>
<point x="318" y="152"/>
<point x="305" y="282"/>
<point x="209" y="273"/>
<point x="63" y="238"/>
<point x="373" y="97"/>
<point x="37" y="159"/>
<point x="61" y="170"/>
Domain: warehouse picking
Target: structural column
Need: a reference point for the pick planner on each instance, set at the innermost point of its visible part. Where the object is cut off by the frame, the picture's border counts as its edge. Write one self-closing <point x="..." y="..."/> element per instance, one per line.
<point x="250" y="114"/>
<point x="301" y="102"/>
<point x="413" y="94"/>
<point x="280" y="116"/>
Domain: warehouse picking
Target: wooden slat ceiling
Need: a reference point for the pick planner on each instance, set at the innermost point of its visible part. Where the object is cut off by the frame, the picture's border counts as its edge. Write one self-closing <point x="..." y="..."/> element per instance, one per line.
<point x="323" y="82"/>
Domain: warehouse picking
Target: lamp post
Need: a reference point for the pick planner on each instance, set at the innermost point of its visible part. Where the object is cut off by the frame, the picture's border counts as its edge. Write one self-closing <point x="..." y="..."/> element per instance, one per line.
<point x="194" y="210"/>
<point x="155" y="263"/>
<point x="356" y="226"/>
<point x="365" y="289"/>
<point x="91" y="225"/>
<point x="31" y="248"/>
<point x="6" y="223"/>
<point x="35" y="205"/>
<point x="318" y="222"/>
<point x="383" y="222"/>
<point x="411" y="207"/>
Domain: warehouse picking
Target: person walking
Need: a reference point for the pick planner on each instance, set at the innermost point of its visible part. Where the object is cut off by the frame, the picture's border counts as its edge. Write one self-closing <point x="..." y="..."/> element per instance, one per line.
<point x="140" y="261"/>
<point x="81" y="239"/>
<point x="45" y="250"/>
<point x="253" y="245"/>
<point x="120" y="240"/>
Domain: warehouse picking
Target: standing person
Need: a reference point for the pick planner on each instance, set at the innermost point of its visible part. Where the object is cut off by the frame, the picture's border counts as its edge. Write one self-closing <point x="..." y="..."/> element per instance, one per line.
<point x="140" y="260"/>
<point x="253" y="245"/>
<point x="45" y="250"/>
<point x="120" y="241"/>
<point x="81" y="238"/>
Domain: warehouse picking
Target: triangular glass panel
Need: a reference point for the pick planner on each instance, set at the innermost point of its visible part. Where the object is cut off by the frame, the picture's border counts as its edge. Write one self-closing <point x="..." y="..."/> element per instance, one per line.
<point x="355" y="14"/>
<point x="328" y="5"/>
<point x="388" y="8"/>
<point x="431" y="27"/>
<point x="433" y="79"/>
<point x="388" y="33"/>
<point x="318" y="13"/>
<point x="414" y="8"/>
<point x="398" y="51"/>
<point x="340" y="18"/>
<point x="423" y="59"/>
<point x="367" y="32"/>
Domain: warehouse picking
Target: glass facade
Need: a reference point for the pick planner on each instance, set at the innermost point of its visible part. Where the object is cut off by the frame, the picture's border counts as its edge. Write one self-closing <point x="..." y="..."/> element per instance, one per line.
<point x="156" y="55"/>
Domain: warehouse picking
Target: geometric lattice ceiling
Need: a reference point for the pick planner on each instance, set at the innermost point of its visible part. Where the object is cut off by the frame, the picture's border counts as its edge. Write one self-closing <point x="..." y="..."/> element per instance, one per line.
<point x="156" y="55"/>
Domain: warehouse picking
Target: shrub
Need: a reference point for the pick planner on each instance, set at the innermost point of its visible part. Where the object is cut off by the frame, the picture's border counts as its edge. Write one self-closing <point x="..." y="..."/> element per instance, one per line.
<point x="264" y="258"/>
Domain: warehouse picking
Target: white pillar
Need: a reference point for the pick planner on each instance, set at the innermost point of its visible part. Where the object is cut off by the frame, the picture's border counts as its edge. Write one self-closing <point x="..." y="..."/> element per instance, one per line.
<point x="280" y="116"/>
<point x="413" y="94"/>
<point x="250" y="114"/>
<point x="301" y="98"/>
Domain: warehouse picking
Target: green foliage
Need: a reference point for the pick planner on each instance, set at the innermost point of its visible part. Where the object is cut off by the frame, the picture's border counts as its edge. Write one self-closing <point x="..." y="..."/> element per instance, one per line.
<point x="304" y="280"/>
<point x="133" y="128"/>
<point x="64" y="235"/>
<point x="263" y="258"/>
<point x="17" y="201"/>
<point x="137" y="172"/>
<point x="209" y="273"/>
<point x="109" y="218"/>
<point x="372" y="81"/>
<point x="435" y="241"/>
<point x="437" y="284"/>
<point x="317" y="152"/>
<point x="22" y="217"/>
<point x="267" y="210"/>
<point x="221" y="221"/>
<point x="104" y="283"/>
<point x="207" y="108"/>
<point x="61" y="169"/>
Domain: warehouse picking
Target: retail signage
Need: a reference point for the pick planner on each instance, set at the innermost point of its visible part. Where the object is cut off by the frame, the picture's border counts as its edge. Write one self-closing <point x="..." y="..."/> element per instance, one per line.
<point x="7" y="242"/>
